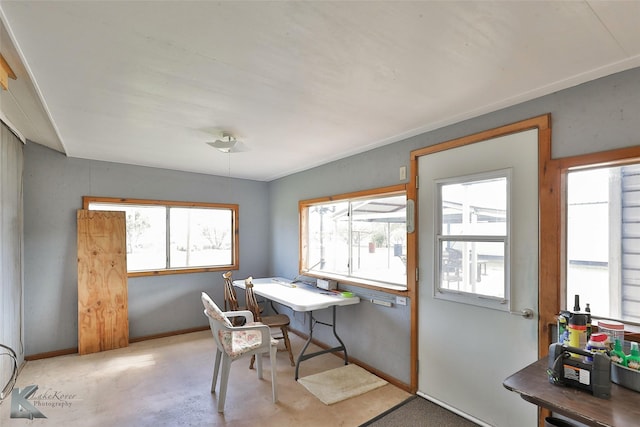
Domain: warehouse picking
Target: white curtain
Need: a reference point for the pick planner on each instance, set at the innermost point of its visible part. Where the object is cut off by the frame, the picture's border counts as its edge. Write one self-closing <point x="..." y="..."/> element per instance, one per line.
<point x="11" y="275"/>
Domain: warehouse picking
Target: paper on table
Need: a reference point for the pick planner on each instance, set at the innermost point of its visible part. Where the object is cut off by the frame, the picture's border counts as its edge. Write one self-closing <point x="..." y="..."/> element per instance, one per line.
<point x="283" y="283"/>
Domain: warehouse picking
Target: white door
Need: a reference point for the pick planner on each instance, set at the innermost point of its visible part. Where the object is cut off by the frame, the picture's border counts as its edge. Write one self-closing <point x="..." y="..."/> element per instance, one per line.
<point x="466" y="351"/>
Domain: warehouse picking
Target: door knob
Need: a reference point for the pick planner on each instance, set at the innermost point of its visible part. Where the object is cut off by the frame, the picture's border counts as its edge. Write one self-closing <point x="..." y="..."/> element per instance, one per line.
<point x="527" y="313"/>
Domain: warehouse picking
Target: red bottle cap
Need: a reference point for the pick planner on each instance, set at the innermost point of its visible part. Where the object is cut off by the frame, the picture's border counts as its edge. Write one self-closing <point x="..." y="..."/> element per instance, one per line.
<point x="599" y="337"/>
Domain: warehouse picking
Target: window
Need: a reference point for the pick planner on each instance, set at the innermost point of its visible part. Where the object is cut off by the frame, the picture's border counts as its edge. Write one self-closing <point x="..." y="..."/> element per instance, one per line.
<point x="175" y="237"/>
<point x="360" y="238"/>
<point x="603" y="241"/>
<point x="472" y="239"/>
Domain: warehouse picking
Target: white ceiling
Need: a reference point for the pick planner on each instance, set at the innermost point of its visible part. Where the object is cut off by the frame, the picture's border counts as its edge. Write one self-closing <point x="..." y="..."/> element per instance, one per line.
<point x="299" y="83"/>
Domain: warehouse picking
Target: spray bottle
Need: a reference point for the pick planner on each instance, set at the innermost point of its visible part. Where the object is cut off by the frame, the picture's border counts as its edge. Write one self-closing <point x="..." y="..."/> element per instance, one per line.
<point x="633" y="360"/>
<point x="617" y="355"/>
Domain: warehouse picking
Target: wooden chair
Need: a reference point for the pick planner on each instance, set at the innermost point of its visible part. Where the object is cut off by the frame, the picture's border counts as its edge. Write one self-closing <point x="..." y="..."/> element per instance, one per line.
<point x="278" y="323"/>
<point x="234" y="342"/>
<point x="231" y="299"/>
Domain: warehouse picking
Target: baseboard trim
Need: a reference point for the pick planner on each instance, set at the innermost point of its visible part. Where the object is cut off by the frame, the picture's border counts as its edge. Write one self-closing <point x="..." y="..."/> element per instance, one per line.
<point x="388" y="378"/>
<point x="168" y="334"/>
<point x="49" y="354"/>
<point x="74" y="350"/>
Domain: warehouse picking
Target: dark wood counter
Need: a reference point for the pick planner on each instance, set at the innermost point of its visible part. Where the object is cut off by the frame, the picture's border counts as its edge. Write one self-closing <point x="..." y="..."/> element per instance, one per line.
<point x="532" y="383"/>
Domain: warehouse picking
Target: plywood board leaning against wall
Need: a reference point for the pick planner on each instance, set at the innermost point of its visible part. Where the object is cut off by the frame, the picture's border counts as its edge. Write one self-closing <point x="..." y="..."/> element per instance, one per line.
<point x="103" y="322"/>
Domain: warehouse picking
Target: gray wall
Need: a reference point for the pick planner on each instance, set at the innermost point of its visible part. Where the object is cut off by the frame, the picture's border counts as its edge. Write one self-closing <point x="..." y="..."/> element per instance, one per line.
<point x="54" y="186"/>
<point x="600" y="115"/>
<point x="595" y="116"/>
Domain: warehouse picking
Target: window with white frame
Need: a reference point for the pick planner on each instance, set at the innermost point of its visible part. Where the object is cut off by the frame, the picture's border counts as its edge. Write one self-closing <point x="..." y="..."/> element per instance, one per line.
<point x="359" y="238"/>
<point x="173" y="237"/>
<point x="472" y="239"/>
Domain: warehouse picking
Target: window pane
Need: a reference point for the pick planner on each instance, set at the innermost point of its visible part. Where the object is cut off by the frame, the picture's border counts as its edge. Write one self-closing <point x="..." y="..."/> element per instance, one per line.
<point x="166" y="237"/>
<point x="475" y="208"/>
<point x="200" y="237"/>
<point x="379" y="239"/>
<point x="359" y="238"/>
<point x="483" y="272"/>
<point x="603" y="241"/>
<point x="329" y="238"/>
<point x="146" y="235"/>
<point x="472" y="239"/>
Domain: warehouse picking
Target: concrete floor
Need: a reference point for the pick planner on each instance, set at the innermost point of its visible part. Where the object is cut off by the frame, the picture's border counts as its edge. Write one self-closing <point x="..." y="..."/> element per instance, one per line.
<point x="166" y="382"/>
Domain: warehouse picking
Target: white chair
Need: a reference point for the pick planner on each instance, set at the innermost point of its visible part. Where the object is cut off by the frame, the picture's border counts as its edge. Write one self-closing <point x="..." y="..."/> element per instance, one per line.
<point x="234" y="342"/>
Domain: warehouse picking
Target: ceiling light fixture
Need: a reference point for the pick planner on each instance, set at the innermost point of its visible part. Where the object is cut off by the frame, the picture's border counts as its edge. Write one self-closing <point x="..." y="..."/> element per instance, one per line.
<point x="225" y="144"/>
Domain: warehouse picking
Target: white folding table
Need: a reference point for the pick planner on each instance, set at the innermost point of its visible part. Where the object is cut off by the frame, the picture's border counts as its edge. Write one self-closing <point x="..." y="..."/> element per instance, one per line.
<point x="303" y="298"/>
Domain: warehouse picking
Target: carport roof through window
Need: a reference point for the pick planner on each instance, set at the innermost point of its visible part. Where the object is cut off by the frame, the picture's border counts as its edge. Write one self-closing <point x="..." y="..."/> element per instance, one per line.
<point x="359" y="239"/>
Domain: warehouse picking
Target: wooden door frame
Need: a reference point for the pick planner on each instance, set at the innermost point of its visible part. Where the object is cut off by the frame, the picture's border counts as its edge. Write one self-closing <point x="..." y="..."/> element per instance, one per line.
<point x="553" y="258"/>
<point x="545" y="184"/>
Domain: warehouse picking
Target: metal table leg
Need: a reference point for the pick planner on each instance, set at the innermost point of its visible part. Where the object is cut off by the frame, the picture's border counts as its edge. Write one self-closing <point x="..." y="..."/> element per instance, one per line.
<point x="312" y="321"/>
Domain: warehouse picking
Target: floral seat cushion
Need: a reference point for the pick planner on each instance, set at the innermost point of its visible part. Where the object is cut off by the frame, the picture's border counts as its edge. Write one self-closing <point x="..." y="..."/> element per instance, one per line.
<point x="236" y="343"/>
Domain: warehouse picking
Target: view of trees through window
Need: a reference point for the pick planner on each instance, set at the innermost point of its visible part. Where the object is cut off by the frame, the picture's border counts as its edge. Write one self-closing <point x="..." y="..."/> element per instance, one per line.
<point x="168" y="237"/>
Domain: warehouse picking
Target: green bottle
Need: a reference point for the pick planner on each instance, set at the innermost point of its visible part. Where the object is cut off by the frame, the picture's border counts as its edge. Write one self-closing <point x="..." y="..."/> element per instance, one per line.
<point x="617" y="355"/>
<point x="633" y="360"/>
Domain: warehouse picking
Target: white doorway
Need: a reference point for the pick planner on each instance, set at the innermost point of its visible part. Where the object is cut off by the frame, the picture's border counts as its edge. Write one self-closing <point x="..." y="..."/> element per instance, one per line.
<point x="466" y="350"/>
